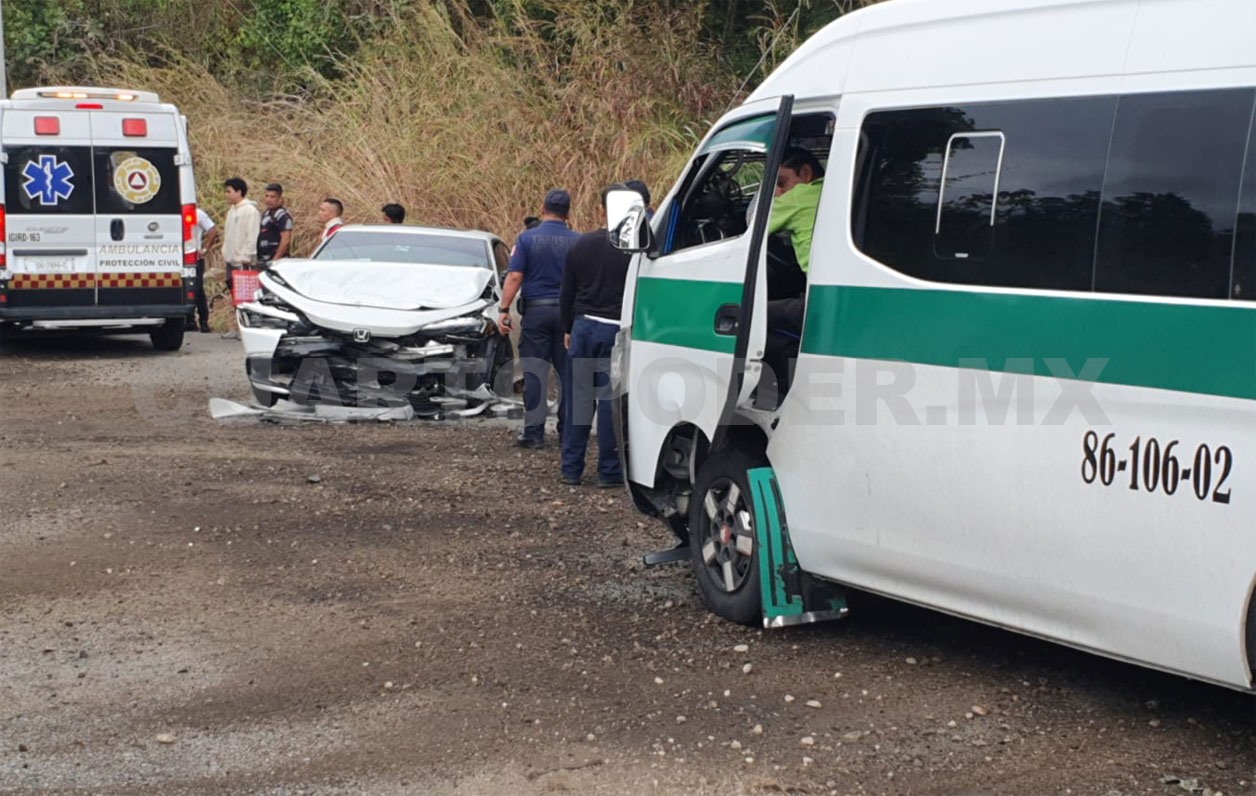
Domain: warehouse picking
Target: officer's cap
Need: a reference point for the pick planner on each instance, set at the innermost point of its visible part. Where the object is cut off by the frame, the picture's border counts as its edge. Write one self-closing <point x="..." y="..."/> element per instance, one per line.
<point x="557" y="201"/>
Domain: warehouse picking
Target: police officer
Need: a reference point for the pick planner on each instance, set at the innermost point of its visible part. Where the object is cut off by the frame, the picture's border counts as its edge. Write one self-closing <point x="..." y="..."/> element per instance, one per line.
<point x="536" y="267"/>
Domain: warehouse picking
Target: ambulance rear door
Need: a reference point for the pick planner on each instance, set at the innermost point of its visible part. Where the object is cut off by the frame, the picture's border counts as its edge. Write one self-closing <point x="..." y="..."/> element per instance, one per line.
<point x="49" y="209"/>
<point x="139" y="227"/>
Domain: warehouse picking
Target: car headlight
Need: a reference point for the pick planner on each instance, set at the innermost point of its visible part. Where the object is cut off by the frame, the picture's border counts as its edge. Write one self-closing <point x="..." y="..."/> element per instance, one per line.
<point x="262" y="316"/>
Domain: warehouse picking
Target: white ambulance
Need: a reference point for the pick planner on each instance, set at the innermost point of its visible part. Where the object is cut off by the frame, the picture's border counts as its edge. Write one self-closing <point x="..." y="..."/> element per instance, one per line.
<point x="97" y="209"/>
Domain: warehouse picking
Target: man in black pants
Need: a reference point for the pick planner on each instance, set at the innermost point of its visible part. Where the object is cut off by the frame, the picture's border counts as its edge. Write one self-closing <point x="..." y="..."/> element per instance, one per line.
<point x="590" y="304"/>
<point x="536" y="267"/>
<point x="205" y="233"/>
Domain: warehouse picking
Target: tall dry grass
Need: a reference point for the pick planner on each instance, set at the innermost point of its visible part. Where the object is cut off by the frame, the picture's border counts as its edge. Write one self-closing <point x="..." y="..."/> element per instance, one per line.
<point x="464" y="122"/>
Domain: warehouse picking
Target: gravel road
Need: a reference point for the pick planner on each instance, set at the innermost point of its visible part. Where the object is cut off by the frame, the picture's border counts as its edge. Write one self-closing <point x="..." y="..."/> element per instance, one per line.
<point x="191" y="607"/>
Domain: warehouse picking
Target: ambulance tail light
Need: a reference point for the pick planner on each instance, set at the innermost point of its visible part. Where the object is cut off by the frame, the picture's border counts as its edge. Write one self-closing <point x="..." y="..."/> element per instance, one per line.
<point x="135" y="128"/>
<point x="4" y="236"/>
<point x="47" y="125"/>
<point x="189" y="238"/>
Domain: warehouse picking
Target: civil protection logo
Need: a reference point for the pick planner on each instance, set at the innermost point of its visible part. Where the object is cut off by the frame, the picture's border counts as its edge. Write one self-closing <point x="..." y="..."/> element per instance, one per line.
<point x="136" y="180"/>
<point x="48" y="180"/>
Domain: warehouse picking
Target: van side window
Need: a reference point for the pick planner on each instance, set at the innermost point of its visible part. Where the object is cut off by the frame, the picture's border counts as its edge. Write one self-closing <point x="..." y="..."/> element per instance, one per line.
<point x="1017" y="206"/>
<point x="1171" y="193"/>
<point x="1243" y="273"/>
<point x="713" y="207"/>
<point x="1138" y="195"/>
<point x="721" y="184"/>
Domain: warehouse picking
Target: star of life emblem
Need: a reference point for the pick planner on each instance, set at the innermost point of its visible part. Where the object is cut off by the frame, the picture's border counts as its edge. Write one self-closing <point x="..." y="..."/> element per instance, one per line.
<point x="48" y="180"/>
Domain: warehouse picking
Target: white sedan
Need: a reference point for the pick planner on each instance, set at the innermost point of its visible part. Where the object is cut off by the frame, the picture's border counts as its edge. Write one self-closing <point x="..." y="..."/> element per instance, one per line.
<point x="378" y="316"/>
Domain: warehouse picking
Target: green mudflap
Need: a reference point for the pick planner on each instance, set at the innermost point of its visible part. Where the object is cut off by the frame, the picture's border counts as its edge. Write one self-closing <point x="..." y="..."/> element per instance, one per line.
<point x="790" y="596"/>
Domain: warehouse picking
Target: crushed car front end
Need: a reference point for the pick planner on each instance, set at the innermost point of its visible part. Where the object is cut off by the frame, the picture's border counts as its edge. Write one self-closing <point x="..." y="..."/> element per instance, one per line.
<point x="312" y="351"/>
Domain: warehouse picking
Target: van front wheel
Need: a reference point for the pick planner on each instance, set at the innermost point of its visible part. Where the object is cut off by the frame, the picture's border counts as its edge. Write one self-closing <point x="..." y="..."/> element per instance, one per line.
<point x="168" y="336"/>
<point x="724" y="552"/>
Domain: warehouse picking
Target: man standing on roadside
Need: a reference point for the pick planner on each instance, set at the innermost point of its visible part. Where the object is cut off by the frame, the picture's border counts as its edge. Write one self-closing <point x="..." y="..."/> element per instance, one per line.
<point x="329" y="215"/>
<point x="536" y="271"/>
<point x="239" y="242"/>
<point x="590" y="304"/>
<point x="274" y="239"/>
<point x="393" y="213"/>
<point x="205" y="233"/>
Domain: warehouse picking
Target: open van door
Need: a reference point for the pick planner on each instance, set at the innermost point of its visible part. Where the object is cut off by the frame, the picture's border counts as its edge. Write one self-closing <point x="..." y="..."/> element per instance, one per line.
<point x="698" y="318"/>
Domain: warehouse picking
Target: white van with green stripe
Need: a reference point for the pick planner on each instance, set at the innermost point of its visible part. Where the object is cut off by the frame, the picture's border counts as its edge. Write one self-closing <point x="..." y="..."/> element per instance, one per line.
<point x="1025" y="388"/>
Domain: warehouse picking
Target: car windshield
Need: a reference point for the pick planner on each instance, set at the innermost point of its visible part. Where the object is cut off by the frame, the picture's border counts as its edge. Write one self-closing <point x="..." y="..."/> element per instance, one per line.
<point x="405" y="247"/>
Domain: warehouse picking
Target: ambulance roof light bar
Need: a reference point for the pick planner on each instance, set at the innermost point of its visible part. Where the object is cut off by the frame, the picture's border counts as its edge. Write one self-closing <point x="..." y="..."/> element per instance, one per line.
<point x="83" y="92"/>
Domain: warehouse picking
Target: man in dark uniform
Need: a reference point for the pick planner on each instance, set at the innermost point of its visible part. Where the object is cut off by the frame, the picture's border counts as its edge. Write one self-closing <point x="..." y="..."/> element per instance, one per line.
<point x="536" y="267"/>
<point x="590" y="304"/>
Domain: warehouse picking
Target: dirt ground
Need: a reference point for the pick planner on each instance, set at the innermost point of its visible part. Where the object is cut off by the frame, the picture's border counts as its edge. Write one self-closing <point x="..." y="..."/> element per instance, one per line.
<point x="194" y="607"/>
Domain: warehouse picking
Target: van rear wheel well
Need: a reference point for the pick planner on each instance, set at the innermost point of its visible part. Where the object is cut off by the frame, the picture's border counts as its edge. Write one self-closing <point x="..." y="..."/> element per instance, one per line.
<point x="1251" y="635"/>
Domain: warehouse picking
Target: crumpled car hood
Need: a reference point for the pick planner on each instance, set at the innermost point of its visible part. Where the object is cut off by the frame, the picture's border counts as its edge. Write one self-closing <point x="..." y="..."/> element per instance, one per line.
<point x="390" y="286"/>
<point x="335" y="312"/>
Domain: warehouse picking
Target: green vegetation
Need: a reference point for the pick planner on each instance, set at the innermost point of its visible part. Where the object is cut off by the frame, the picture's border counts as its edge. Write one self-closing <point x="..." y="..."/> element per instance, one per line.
<point x="463" y="110"/>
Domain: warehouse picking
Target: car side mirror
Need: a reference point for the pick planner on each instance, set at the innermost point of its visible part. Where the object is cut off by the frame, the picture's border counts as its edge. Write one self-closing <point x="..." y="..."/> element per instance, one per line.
<point x="627" y="221"/>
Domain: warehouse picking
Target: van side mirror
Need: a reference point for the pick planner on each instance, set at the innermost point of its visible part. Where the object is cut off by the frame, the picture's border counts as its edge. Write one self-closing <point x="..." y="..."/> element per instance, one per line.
<point x="627" y="221"/>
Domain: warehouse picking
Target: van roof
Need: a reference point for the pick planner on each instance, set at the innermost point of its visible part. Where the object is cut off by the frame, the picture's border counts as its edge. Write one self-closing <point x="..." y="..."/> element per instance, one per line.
<point x="85" y="92"/>
<point x="911" y="44"/>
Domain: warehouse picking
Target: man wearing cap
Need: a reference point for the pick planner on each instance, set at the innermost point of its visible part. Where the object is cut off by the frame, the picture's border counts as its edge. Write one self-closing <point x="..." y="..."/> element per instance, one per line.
<point x="536" y="274"/>
<point x="590" y="305"/>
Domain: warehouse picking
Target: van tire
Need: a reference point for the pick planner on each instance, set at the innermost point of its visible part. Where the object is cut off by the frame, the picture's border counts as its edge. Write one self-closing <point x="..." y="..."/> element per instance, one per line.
<point x="718" y="564"/>
<point x="168" y="336"/>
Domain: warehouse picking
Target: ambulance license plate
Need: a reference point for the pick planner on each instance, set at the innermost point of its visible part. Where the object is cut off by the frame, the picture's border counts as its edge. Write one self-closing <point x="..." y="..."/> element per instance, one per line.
<point x="49" y="265"/>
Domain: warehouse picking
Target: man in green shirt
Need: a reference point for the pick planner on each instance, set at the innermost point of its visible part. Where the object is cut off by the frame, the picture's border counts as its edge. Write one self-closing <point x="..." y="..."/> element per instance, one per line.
<point x="798" y="185"/>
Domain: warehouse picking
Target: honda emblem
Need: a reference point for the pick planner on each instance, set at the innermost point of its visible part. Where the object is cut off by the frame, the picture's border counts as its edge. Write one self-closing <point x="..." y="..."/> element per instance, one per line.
<point x="361" y="335"/>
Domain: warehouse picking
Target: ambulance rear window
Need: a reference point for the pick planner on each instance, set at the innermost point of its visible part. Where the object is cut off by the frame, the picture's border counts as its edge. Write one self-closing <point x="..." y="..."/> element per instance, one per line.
<point x="49" y="180"/>
<point x="140" y="181"/>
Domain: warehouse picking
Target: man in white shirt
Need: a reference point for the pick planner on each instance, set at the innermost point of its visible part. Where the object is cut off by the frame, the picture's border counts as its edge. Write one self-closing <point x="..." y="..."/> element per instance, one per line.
<point x="330" y="211"/>
<point x="239" y="242"/>
<point x="204" y="233"/>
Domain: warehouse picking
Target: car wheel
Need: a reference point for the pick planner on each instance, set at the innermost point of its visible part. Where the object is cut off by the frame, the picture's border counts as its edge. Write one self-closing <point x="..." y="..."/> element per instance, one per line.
<point x="168" y="336"/>
<point x="501" y="368"/>
<point x="723" y="549"/>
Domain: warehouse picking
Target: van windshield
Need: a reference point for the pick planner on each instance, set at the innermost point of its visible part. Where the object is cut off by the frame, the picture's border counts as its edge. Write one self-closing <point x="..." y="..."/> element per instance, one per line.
<point x="753" y="134"/>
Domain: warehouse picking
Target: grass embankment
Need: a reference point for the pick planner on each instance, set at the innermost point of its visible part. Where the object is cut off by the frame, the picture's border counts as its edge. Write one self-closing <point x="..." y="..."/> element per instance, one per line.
<point x="466" y="124"/>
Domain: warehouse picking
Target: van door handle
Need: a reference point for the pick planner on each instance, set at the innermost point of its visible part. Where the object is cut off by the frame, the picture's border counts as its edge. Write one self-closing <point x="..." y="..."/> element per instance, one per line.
<point x="117" y="229"/>
<point x="726" y="319"/>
